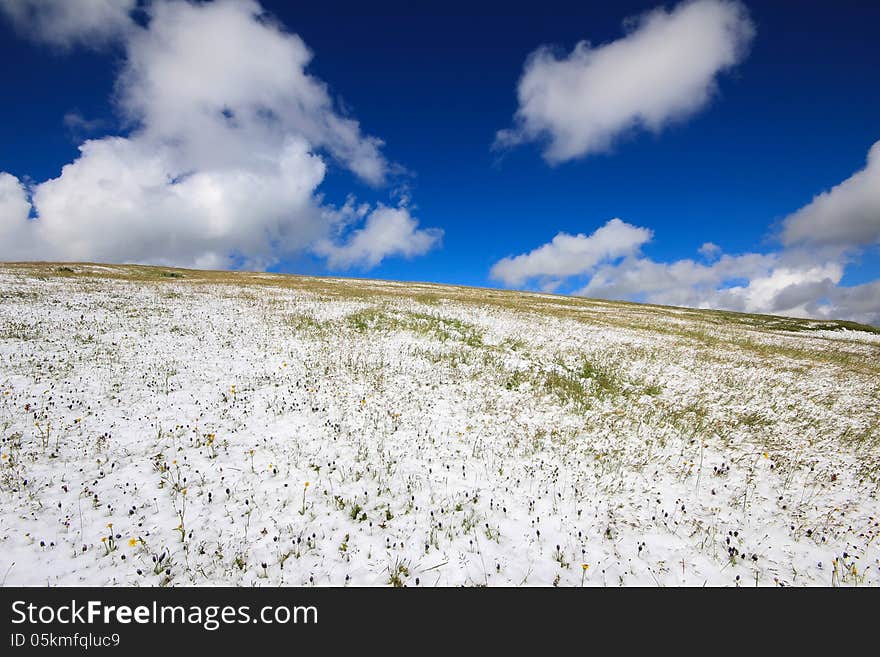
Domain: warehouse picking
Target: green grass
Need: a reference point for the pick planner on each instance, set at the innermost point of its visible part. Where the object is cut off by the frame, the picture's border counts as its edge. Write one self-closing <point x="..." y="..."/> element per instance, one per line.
<point x="568" y="389"/>
<point x="435" y="327"/>
<point x="605" y="381"/>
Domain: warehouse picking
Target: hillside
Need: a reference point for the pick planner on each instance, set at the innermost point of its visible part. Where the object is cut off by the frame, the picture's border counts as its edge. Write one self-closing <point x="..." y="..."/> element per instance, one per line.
<point x="176" y="427"/>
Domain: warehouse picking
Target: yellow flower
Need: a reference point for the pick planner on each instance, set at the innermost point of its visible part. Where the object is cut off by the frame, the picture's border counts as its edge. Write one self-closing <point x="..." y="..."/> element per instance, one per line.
<point x="584" y="566"/>
<point x="132" y="542"/>
<point x="766" y="455"/>
<point x="103" y="539"/>
<point x="307" y="484"/>
<point x="109" y="525"/>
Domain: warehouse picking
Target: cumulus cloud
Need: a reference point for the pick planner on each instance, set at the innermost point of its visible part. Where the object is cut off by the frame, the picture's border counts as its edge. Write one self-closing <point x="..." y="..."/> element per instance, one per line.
<point x="65" y="23"/>
<point x="387" y="232"/>
<point x="751" y="282"/>
<point x="664" y="69"/>
<point x="858" y="302"/>
<point x="123" y="200"/>
<point x="788" y="282"/>
<point x="802" y="277"/>
<point x="225" y="85"/>
<point x="14" y="211"/>
<point x="228" y="147"/>
<point x="847" y="216"/>
<point x="571" y="255"/>
<point x="684" y="282"/>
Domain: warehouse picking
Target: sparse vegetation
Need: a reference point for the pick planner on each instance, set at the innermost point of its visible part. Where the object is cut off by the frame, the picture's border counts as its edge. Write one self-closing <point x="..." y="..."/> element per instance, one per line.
<point x="162" y="427"/>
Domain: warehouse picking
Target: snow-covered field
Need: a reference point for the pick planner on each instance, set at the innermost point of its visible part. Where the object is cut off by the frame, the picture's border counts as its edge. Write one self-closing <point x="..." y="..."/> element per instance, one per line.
<point x="167" y="427"/>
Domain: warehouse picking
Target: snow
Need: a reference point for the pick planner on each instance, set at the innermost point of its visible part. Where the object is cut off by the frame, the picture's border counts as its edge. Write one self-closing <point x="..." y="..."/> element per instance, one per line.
<point x="270" y="430"/>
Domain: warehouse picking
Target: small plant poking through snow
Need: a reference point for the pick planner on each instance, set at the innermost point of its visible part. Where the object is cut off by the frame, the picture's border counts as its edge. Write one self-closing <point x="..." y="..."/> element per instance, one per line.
<point x="163" y="427"/>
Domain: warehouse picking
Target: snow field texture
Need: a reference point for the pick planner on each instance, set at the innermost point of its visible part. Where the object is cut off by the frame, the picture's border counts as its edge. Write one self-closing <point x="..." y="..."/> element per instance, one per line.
<point x="171" y="428"/>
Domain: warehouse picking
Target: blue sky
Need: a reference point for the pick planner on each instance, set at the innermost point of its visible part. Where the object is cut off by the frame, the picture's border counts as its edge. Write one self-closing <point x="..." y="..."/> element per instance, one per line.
<point x="795" y="115"/>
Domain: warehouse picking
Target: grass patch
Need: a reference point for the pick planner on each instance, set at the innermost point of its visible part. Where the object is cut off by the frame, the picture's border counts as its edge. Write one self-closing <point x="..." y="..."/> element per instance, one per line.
<point x="604" y="380"/>
<point x="568" y="389"/>
<point x="434" y="327"/>
<point x="302" y="323"/>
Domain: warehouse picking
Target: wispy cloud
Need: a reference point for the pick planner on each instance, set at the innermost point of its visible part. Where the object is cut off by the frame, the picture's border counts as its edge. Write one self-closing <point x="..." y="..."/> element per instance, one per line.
<point x="68" y="23"/>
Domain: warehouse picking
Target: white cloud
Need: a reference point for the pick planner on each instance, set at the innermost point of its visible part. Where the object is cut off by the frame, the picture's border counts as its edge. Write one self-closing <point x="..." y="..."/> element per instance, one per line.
<point x="860" y="303"/>
<point x="792" y="282"/>
<point x="710" y="250"/>
<point x="387" y="232"/>
<point x="664" y="69"/>
<point x="65" y="23"/>
<point x="124" y="200"/>
<point x="571" y="255"/>
<point x="802" y="278"/>
<point x="684" y="282"/>
<point x="13" y="199"/>
<point x="847" y="216"/>
<point x="751" y="282"/>
<point x="224" y="159"/>
<point x="78" y="124"/>
<point x="781" y="283"/>
<point x="14" y="210"/>
<point x="227" y="86"/>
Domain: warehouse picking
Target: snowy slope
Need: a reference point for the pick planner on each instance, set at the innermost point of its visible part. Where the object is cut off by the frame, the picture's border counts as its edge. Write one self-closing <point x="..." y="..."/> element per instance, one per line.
<point x="170" y="427"/>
